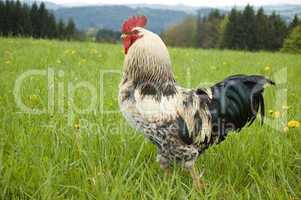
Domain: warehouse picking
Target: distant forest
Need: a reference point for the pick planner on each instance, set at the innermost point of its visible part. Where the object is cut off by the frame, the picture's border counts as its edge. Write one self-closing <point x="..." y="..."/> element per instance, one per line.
<point x="17" y="19"/>
<point x="245" y="30"/>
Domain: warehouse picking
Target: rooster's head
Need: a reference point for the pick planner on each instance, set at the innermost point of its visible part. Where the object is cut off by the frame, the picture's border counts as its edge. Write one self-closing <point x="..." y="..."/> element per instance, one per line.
<point x="147" y="59"/>
<point x="130" y="31"/>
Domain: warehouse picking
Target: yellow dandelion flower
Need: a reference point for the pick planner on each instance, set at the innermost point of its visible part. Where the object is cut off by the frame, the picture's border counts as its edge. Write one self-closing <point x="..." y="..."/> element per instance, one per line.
<point x="267" y="68"/>
<point x="82" y="61"/>
<point x="271" y="112"/>
<point x="34" y="98"/>
<point x="77" y="125"/>
<point x="293" y="124"/>
<point x="276" y="114"/>
<point x="285" y="129"/>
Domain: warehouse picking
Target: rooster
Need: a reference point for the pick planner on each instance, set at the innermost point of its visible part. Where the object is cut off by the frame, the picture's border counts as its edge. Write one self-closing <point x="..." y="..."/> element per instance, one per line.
<point x="181" y="122"/>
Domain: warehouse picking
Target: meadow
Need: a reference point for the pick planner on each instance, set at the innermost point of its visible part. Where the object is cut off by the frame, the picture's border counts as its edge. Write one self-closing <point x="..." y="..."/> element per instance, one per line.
<point x="63" y="148"/>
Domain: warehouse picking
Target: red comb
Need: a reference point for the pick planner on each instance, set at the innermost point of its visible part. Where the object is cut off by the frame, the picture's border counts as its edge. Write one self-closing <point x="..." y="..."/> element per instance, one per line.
<point x="132" y="22"/>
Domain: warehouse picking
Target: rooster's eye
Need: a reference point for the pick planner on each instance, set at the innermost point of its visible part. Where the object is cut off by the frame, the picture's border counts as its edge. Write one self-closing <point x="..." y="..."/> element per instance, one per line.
<point x="135" y="32"/>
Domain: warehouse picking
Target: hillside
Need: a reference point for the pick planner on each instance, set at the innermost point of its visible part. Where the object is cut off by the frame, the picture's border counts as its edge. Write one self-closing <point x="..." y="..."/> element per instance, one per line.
<point x="160" y="16"/>
<point x="286" y="11"/>
<point x="111" y="17"/>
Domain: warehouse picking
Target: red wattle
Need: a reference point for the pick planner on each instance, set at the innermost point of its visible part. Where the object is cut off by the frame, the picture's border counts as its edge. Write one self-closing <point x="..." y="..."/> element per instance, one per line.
<point x="129" y="41"/>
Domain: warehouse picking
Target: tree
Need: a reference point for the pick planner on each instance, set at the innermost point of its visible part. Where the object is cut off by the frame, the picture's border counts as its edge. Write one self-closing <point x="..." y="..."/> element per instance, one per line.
<point x="292" y="43"/>
<point x="261" y="30"/>
<point x="198" y="28"/>
<point x="43" y="20"/>
<point x="34" y="18"/>
<point x="104" y="35"/>
<point x="248" y="24"/>
<point x="26" y="21"/>
<point x="209" y="30"/>
<point x="277" y="31"/>
<point x="222" y="29"/>
<point x="201" y="31"/>
<point x="2" y="10"/>
<point x="8" y="18"/>
<point x="17" y="19"/>
<point x="182" y="34"/>
<point x="52" y="31"/>
<point x="232" y="33"/>
<point x="70" y="29"/>
<point x="61" y="30"/>
<point x="295" y="22"/>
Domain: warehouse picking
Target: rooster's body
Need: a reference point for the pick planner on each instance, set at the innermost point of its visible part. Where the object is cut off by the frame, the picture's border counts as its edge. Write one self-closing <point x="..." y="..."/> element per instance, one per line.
<point x="181" y="122"/>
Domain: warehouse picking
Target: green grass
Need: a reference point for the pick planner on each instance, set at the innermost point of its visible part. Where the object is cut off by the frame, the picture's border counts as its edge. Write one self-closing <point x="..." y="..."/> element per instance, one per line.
<point x="46" y="157"/>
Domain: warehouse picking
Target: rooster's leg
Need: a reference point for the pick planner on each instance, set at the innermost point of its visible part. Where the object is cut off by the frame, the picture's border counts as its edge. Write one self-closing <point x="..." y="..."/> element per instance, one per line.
<point x="197" y="182"/>
<point x="167" y="171"/>
<point x="164" y="164"/>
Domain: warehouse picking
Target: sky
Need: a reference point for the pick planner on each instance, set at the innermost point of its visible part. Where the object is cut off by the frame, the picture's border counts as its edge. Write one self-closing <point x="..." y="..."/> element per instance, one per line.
<point x="197" y="3"/>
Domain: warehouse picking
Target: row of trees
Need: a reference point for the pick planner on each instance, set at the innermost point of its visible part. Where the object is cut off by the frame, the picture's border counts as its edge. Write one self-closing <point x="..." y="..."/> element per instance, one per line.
<point x="36" y="21"/>
<point x="105" y="35"/>
<point x="247" y="29"/>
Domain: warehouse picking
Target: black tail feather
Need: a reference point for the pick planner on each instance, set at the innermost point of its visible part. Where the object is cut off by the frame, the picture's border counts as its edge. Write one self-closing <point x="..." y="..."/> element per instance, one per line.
<point x="236" y="102"/>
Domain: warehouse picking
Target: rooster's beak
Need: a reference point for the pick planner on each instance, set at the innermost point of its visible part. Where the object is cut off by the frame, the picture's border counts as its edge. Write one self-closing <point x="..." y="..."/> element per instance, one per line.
<point x="123" y="36"/>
